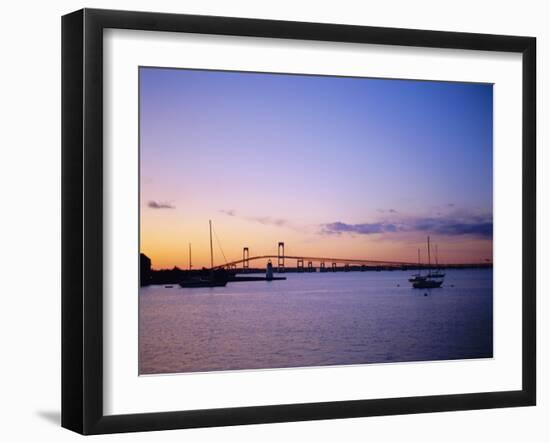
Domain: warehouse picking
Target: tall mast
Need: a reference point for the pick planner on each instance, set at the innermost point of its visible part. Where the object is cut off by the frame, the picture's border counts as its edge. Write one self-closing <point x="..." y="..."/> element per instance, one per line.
<point x="419" y="260"/>
<point x="190" y="264"/>
<point x="211" y="248"/>
<point x="436" y="262"/>
<point x="429" y="259"/>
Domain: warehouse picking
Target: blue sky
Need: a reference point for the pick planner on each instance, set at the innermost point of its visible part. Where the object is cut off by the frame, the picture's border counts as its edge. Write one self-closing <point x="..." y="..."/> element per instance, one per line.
<point x="377" y="162"/>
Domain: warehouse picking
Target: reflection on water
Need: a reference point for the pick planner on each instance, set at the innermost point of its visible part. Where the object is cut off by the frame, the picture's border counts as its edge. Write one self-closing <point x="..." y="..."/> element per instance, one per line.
<point x="315" y="320"/>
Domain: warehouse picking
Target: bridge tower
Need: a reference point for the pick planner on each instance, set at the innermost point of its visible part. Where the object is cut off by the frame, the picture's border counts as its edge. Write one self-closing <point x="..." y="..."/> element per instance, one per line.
<point x="281" y="257"/>
<point x="309" y="266"/>
<point x="322" y="267"/>
<point x="333" y="267"/>
<point x="246" y="256"/>
<point x="300" y="265"/>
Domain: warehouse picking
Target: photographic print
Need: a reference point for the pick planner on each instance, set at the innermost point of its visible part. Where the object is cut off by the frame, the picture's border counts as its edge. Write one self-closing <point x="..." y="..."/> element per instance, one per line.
<point x="291" y="221"/>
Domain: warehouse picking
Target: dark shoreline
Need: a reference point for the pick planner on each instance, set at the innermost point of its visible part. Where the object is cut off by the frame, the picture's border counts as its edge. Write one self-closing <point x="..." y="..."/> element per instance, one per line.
<point x="176" y="275"/>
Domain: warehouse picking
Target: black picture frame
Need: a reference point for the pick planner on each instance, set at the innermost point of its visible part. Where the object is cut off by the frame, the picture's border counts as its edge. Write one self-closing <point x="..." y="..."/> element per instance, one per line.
<point x="82" y="218"/>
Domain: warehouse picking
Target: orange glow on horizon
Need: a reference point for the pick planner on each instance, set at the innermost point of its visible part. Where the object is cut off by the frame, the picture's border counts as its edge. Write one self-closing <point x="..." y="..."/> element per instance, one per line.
<point x="167" y="245"/>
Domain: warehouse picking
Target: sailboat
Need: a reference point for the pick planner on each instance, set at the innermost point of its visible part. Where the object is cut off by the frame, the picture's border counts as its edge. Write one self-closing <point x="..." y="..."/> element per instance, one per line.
<point x="418" y="275"/>
<point x="438" y="273"/>
<point x="429" y="280"/>
<point x="215" y="278"/>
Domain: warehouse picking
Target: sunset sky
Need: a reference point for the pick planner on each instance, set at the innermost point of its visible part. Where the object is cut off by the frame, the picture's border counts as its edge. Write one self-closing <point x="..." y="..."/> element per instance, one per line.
<point x="332" y="166"/>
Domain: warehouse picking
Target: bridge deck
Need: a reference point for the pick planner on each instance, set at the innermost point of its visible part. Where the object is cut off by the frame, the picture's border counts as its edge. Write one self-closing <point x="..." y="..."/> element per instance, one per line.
<point x="318" y="259"/>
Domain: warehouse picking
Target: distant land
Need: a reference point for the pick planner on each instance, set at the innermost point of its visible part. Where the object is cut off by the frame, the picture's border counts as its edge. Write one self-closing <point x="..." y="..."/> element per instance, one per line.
<point x="150" y="276"/>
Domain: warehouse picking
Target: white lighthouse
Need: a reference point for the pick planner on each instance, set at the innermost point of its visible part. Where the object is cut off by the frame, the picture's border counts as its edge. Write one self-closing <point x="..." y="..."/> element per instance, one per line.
<point x="269" y="271"/>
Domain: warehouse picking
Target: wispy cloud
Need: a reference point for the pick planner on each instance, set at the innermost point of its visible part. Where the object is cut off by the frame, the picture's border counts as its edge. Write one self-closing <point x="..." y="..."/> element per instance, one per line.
<point x="264" y="220"/>
<point x="272" y="221"/>
<point x="450" y="225"/>
<point x="455" y="223"/>
<point x="160" y="205"/>
<point x="361" y="228"/>
<point x="475" y="226"/>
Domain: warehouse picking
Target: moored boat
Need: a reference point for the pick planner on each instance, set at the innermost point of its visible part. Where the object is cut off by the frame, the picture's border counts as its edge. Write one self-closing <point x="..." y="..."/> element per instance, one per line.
<point x="418" y="276"/>
<point x="209" y="279"/>
<point x="430" y="280"/>
<point x="438" y="273"/>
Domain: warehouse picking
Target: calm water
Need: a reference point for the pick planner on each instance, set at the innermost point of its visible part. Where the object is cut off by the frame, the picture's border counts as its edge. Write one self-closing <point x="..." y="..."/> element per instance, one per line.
<point x="315" y="320"/>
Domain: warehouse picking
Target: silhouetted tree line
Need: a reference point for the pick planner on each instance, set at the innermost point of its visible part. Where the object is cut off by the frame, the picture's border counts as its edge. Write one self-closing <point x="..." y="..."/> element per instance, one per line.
<point x="172" y="276"/>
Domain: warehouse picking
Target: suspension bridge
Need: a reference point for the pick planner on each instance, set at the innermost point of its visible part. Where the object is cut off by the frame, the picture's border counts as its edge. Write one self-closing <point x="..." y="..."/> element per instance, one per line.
<point x="324" y="263"/>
